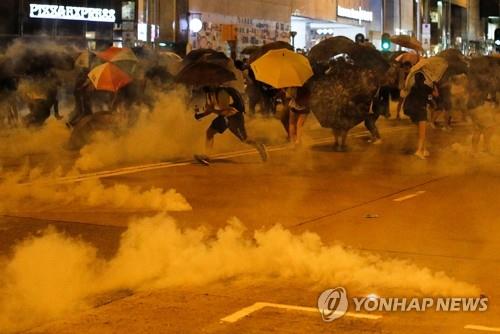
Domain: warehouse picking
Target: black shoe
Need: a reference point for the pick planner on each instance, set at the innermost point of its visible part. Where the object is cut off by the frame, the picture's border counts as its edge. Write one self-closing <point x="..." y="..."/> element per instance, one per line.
<point x="202" y="159"/>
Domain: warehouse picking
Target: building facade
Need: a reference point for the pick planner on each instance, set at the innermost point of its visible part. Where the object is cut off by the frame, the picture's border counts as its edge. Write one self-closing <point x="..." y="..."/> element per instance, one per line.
<point x="227" y="25"/>
<point x="96" y="23"/>
<point x="77" y="21"/>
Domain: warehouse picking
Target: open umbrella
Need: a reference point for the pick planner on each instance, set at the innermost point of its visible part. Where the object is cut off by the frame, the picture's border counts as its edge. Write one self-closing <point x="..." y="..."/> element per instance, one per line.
<point x="328" y="48"/>
<point x="451" y="55"/>
<point x="433" y="69"/>
<point x="250" y="49"/>
<point x="456" y="62"/>
<point x="268" y="47"/>
<point x="409" y="57"/>
<point x="408" y="42"/>
<point x="109" y="77"/>
<point x="205" y="74"/>
<point x="114" y="54"/>
<point x="368" y="57"/>
<point x="282" y="68"/>
<point x="170" y="60"/>
<point x="123" y="57"/>
<point x="84" y="59"/>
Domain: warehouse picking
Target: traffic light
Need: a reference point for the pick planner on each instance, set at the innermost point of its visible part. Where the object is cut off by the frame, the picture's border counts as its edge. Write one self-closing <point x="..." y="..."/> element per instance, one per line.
<point x="360" y="38"/>
<point x="497" y="39"/>
<point x="386" y="42"/>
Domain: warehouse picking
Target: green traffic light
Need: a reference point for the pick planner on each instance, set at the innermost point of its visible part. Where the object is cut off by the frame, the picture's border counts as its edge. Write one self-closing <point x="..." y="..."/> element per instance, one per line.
<point x="386" y="45"/>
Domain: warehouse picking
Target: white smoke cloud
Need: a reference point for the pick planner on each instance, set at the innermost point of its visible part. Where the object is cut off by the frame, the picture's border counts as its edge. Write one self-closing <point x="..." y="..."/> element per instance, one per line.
<point x="28" y="191"/>
<point x="53" y="274"/>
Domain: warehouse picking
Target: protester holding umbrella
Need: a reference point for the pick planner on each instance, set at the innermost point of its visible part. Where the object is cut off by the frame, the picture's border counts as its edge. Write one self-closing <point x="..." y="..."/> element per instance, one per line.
<point x="283" y="68"/>
<point x="298" y="105"/>
<point x="214" y="72"/>
<point x="415" y="106"/>
<point x="82" y="94"/>
<point x="404" y="70"/>
<point x="227" y="103"/>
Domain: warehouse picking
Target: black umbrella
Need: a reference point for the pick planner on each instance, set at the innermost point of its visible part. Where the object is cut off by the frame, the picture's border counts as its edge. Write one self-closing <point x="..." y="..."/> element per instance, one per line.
<point x="342" y="98"/>
<point x="203" y="54"/>
<point x="451" y="55"/>
<point x="268" y="47"/>
<point x="202" y="73"/>
<point x="250" y="49"/>
<point x="456" y="62"/>
<point x="368" y="57"/>
<point x="328" y="48"/>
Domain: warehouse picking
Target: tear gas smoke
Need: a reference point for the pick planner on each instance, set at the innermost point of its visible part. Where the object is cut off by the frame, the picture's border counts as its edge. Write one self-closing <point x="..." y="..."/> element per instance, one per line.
<point x="27" y="191"/>
<point x="21" y="142"/>
<point x="169" y="132"/>
<point x="52" y="274"/>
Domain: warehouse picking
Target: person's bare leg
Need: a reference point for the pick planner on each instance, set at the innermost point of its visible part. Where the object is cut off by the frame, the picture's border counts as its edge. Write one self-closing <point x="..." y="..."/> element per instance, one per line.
<point x="422" y="127"/>
<point x="476" y="136"/>
<point x="434" y="115"/>
<point x="209" y="140"/>
<point x="300" y="128"/>
<point x="292" y="127"/>
<point x="343" y="145"/>
<point x="488" y="133"/>
<point x="336" y="136"/>
<point x="447" y="119"/>
<point x="398" y="108"/>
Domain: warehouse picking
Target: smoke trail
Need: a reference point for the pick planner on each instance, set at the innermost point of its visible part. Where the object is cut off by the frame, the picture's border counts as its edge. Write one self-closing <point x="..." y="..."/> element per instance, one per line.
<point x="27" y="191"/>
<point x="53" y="274"/>
<point x="21" y="142"/>
<point x="169" y="131"/>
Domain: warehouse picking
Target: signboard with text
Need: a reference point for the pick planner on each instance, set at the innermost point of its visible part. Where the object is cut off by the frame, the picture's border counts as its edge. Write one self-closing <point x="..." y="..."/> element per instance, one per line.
<point x="56" y="12"/>
<point x="426" y="36"/>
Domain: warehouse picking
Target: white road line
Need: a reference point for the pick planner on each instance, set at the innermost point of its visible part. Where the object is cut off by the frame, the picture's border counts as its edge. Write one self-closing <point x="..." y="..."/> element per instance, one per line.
<point x="407" y="197"/>
<point x="162" y="165"/>
<point x="238" y="315"/>
<point x="483" y="328"/>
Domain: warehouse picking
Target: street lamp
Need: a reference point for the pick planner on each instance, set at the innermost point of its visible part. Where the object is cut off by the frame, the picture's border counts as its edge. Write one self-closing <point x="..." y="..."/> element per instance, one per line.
<point x="292" y="35"/>
<point x="195" y="25"/>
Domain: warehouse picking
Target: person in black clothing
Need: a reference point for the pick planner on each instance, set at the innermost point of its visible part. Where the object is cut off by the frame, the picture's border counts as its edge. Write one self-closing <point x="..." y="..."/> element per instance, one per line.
<point x="81" y="93"/>
<point x="227" y="103"/>
<point x="415" y="106"/>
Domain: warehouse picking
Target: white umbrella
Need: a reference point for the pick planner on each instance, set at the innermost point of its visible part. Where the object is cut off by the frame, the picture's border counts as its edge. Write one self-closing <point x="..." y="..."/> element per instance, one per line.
<point x="433" y="69"/>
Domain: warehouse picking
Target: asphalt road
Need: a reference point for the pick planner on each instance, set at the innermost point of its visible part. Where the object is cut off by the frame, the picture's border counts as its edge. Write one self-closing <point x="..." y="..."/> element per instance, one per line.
<point x="441" y="214"/>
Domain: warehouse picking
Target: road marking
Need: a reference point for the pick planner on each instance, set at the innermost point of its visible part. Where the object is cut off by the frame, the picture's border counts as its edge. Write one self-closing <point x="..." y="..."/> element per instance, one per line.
<point x="162" y="165"/>
<point x="407" y="197"/>
<point x="483" y="328"/>
<point x="240" y="314"/>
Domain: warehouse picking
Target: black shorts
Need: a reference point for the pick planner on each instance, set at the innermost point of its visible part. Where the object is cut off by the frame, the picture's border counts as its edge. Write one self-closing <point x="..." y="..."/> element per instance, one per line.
<point x="418" y="115"/>
<point x="303" y="111"/>
<point x="235" y="124"/>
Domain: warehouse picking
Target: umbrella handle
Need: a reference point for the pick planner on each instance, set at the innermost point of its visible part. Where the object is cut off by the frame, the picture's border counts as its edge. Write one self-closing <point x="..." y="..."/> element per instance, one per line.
<point x="113" y="102"/>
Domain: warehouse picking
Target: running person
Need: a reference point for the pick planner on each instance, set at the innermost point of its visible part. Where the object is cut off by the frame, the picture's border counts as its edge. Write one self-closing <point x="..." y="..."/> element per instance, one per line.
<point x="229" y="107"/>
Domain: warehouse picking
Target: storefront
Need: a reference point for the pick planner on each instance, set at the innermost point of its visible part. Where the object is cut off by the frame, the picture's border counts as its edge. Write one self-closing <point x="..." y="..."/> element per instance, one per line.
<point x="455" y="24"/>
<point x="92" y="23"/>
<point x="334" y="18"/>
<point x="232" y="26"/>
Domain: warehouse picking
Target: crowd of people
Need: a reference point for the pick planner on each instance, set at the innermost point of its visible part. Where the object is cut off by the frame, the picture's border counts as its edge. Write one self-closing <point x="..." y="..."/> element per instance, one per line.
<point x="360" y="98"/>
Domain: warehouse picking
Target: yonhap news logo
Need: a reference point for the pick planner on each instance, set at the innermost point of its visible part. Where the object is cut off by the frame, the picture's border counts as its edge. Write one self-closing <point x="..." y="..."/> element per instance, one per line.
<point x="334" y="303"/>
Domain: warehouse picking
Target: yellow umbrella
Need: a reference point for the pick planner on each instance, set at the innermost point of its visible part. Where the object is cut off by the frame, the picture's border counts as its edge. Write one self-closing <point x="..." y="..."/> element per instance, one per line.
<point x="282" y="68"/>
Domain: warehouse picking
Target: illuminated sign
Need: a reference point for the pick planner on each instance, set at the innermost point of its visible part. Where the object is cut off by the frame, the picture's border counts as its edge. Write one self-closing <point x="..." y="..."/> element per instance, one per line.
<point x="72" y="13"/>
<point x="356" y="14"/>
